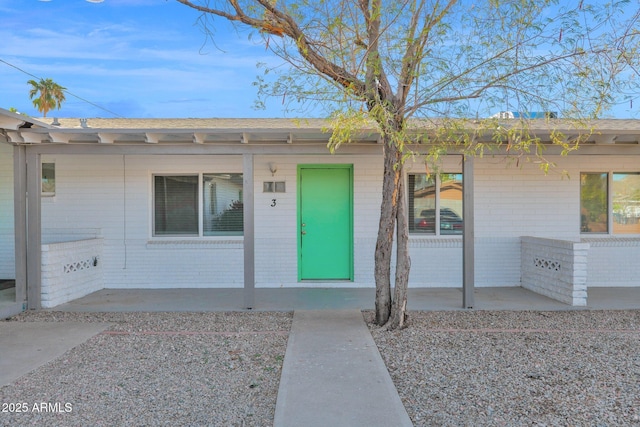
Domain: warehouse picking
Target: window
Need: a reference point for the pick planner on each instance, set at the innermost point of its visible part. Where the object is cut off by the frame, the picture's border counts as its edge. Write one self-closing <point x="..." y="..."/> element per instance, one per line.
<point x="593" y="203"/>
<point x="223" y="207"/>
<point x="626" y="203"/>
<point x="179" y="211"/>
<point x="48" y="179"/>
<point x="435" y="204"/>
<point x="623" y="201"/>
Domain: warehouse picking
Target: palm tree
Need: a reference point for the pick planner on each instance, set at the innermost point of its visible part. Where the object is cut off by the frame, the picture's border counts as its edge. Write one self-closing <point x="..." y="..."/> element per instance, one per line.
<point x="51" y="95"/>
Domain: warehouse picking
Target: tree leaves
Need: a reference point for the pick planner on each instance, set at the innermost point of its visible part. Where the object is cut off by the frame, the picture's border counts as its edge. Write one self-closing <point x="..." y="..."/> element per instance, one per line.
<point x="51" y="95"/>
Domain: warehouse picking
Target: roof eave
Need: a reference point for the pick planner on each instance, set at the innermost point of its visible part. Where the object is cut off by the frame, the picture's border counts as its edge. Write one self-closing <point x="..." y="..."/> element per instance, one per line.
<point x="14" y="121"/>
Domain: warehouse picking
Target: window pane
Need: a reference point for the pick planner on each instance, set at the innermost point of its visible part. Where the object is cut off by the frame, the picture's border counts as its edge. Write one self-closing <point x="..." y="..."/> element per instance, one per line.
<point x="222" y="204"/>
<point x="451" y="203"/>
<point x="593" y="203"/>
<point x="422" y="203"/>
<point x="175" y="205"/>
<point x="48" y="178"/>
<point x="626" y="203"/>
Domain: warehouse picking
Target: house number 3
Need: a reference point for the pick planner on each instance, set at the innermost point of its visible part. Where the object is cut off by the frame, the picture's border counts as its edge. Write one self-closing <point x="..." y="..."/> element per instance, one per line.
<point x="273" y="203"/>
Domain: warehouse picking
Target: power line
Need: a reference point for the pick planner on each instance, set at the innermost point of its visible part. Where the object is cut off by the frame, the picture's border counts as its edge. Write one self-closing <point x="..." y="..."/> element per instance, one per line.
<point x="67" y="91"/>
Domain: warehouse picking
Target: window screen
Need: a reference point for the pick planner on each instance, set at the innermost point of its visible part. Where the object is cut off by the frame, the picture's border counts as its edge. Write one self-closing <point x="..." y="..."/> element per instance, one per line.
<point x="176" y="205"/>
<point x="222" y="202"/>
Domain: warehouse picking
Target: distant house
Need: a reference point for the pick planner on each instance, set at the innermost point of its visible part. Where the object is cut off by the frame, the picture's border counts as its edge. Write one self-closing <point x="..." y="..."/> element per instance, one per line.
<point x="247" y="203"/>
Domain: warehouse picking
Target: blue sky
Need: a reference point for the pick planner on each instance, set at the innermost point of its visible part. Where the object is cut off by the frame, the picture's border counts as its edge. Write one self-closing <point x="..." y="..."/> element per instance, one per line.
<point x="135" y="58"/>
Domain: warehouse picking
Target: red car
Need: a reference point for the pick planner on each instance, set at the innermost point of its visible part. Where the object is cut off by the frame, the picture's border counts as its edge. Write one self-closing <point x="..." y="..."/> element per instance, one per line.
<point x="450" y="222"/>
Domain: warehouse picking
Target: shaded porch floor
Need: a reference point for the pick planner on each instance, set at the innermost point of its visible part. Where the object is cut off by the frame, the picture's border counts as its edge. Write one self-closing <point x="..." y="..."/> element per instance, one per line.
<point x="8" y="305"/>
<point x="279" y="299"/>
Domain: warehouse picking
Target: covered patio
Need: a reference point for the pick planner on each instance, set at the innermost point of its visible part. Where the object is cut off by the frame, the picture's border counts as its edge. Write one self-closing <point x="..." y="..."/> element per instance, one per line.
<point x="521" y="242"/>
<point x="275" y="299"/>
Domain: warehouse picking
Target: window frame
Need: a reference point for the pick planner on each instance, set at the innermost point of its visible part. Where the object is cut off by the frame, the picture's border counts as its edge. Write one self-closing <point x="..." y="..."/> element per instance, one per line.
<point x="42" y="178"/>
<point x="609" y="198"/>
<point x="437" y="206"/>
<point x="200" y="205"/>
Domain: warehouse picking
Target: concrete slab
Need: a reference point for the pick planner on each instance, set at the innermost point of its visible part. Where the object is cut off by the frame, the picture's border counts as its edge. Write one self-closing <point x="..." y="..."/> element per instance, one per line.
<point x="290" y="299"/>
<point x="333" y="375"/>
<point x="224" y="299"/>
<point x="613" y="298"/>
<point x="25" y="346"/>
<point x="8" y="305"/>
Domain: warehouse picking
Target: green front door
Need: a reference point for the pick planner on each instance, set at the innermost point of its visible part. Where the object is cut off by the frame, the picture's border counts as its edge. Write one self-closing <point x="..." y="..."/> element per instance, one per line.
<point x="325" y="222"/>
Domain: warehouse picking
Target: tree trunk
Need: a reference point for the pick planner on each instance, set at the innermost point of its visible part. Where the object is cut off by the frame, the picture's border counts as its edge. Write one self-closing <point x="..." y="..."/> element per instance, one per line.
<point x="384" y="244"/>
<point x="403" y="261"/>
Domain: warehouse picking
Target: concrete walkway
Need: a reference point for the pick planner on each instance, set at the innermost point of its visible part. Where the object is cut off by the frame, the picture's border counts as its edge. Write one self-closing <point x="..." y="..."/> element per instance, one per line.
<point x="27" y="346"/>
<point x="333" y="375"/>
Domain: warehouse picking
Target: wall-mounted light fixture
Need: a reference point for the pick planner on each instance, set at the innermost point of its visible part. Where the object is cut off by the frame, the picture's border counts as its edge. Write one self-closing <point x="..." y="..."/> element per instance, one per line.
<point x="273" y="167"/>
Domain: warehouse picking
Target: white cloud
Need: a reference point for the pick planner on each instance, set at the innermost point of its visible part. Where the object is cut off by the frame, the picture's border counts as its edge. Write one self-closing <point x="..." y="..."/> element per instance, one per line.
<point x="129" y="62"/>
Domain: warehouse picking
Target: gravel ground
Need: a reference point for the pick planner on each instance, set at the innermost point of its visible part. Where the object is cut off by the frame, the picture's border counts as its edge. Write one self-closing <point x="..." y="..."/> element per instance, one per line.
<point x="574" y="368"/>
<point x="156" y="369"/>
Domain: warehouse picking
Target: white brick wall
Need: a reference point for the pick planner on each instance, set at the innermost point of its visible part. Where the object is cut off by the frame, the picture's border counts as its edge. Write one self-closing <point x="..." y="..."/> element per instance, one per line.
<point x="7" y="247"/>
<point x="88" y="203"/>
<point x="512" y="201"/>
<point x="613" y="261"/>
<point x="497" y="261"/>
<point x="110" y="196"/>
<point x="555" y="268"/>
<point x="515" y="201"/>
<point x="71" y="270"/>
<point x="149" y="262"/>
<point x="276" y="227"/>
<point x="436" y="262"/>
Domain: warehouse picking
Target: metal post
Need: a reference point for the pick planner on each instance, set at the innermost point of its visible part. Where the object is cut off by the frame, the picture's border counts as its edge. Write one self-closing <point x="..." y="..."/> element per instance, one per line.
<point x="468" y="236"/>
<point x="249" y="237"/>
<point x="34" y="230"/>
<point x="20" y="221"/>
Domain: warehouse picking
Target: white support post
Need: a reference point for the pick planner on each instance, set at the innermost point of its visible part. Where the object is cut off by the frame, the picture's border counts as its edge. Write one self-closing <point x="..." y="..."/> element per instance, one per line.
<point x="34" y="229"/>
<point x="468" y="236"/>
<point x="20" y="220"/>
<point x="249" y="237"/>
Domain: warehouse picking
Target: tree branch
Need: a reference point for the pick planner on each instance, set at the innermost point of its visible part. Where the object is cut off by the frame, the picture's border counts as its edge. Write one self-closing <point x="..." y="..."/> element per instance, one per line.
<point x="416" y="48"/>
<point x="287" y="26"/>
<point x="493" y="82"/>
